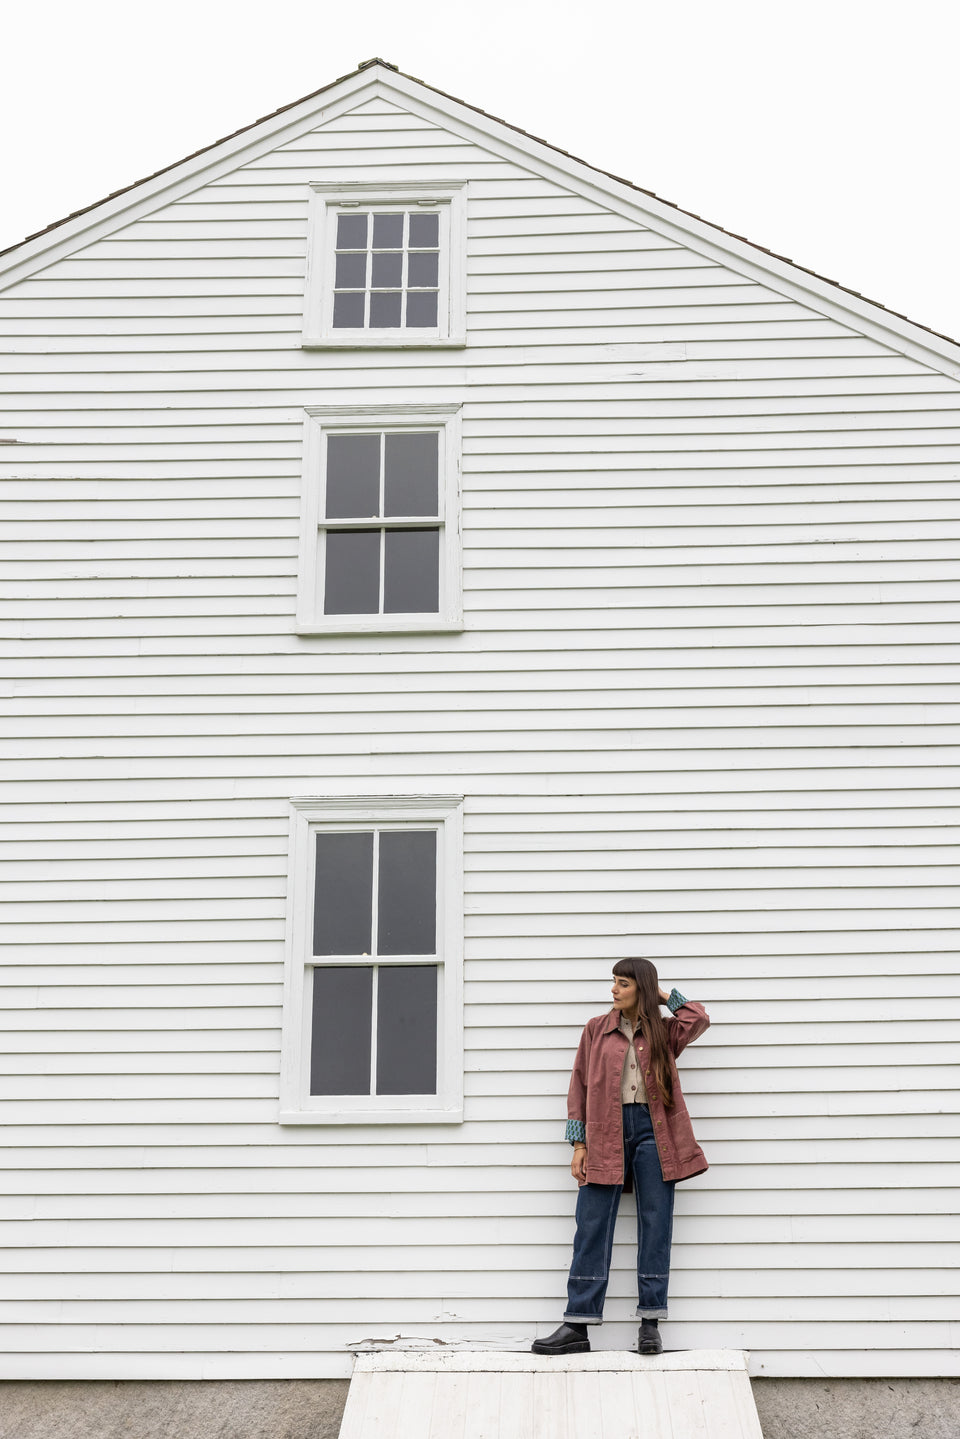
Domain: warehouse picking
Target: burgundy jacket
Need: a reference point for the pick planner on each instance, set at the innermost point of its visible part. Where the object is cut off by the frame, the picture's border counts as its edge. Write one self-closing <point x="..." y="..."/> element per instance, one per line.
<point x="594" y="1096"/>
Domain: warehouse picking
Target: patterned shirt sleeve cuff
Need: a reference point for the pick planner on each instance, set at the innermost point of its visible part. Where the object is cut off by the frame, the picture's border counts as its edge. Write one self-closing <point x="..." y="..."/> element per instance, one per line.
<point x="675" y="1001"/>
<point x="576" y="1131"/>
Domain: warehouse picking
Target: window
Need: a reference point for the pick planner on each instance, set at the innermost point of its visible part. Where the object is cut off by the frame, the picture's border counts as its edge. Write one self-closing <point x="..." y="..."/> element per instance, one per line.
<point x="387" y="274"/>
<point x="386" y="265"/>
<point x="373" y="996"/>
<point x="380" y="531"/>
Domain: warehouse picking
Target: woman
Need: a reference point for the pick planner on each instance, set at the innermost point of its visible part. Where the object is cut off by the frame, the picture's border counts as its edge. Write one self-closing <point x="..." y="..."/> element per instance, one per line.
<point x="627" y="1122"/>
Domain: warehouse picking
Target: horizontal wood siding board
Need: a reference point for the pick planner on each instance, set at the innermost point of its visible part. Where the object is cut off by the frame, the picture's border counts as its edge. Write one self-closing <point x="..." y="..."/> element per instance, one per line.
<point x="704" y="707"/>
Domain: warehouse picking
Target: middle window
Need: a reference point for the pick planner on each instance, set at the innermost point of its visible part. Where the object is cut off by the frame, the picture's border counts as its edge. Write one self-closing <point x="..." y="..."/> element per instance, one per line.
<point x="380" y="534"/>
<point x="382" y="524"/>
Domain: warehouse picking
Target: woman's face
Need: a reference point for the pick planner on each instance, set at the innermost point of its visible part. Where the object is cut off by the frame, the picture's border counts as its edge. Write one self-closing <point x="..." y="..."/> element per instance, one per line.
<point x="625" y="993"/>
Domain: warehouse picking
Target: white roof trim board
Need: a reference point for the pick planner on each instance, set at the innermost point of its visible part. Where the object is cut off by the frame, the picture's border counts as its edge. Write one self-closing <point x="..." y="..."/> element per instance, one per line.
<point x="381" y="81"/>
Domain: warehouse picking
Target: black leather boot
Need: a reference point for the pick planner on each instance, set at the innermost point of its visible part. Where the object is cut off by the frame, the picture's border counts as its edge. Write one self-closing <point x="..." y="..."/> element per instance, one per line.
<point x="562" y="1341"/>
<point x="649" y="1341"/>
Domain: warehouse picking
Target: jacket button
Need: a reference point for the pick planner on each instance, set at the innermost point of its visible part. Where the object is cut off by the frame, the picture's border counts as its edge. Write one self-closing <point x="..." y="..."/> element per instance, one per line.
<point x="659" y="1121"/>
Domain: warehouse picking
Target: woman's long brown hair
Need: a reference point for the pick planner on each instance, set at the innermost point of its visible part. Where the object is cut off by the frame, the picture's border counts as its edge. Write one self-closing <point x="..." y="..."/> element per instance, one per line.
<point x="653" y="1026"/>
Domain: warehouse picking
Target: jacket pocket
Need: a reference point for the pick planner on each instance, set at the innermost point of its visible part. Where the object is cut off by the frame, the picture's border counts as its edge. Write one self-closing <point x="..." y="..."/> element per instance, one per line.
<point x="604" y="1147"/>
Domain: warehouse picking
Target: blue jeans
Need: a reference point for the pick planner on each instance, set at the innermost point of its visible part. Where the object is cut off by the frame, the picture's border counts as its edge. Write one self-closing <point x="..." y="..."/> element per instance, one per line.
<point x="597" y="1206"/>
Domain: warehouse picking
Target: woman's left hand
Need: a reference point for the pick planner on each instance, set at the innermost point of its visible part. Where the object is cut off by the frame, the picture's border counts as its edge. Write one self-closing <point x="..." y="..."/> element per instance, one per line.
<point x="663" y="997"/>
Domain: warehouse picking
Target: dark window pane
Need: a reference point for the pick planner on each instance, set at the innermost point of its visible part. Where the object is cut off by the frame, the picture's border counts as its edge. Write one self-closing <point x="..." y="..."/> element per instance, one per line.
<point x="411" y="576"/>
<point x="352" y="272"/>
<point x="340" y="1039"/>
<point x="353" y="476"/>
<point x="351" y="232"/>
<point x="407" y="1029"/>
<point x="343" y="894"/>
<point x="385" y="309"/>
<point x="421" y="309"/>
<point x="424" y="231"/>
<point x="387" y="270"/>
<point x="388" y="232"/>
<point x="422" y="270"/>
<point x="410" y="474"/>
<point x="352" y="579"/>
<point x="407" y="892"/>
<point x="348" y="310"/>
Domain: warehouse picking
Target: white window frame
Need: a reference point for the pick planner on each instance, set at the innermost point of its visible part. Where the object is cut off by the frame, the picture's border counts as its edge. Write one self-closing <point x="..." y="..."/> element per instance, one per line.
<point x="323" y="420"/>
<point x="328" y="199"/>
<point x="310" y="814"/>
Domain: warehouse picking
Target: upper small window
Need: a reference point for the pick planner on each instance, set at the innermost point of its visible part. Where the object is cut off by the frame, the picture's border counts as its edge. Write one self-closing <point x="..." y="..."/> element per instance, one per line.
<point x="387" y="274"/>
<point x="386" y="266"/>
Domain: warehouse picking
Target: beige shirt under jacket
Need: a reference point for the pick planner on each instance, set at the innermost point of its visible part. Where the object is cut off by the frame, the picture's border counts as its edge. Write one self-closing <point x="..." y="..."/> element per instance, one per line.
<point x="632" y="1090"/>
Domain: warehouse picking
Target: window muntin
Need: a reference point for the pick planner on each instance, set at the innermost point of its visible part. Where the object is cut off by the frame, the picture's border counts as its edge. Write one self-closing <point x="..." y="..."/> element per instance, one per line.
<point x="380" y="547"/>
<point x="370" y="567"/>
<point x="372" y="999"/>
<point x="375" y="893"/>
<point x="374" y="1022"/>
<point x="387" y="270"/>
<point x="374" y="1030"/>
<point x="386" y="265"/>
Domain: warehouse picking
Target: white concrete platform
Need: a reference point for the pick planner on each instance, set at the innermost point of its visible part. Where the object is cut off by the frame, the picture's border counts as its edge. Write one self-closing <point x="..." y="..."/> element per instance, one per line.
<point x="693" y="1394"/>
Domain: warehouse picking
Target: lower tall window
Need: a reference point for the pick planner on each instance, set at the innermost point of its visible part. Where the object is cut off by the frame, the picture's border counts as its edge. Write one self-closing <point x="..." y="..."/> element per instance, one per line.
<point x="372" y="1004"/>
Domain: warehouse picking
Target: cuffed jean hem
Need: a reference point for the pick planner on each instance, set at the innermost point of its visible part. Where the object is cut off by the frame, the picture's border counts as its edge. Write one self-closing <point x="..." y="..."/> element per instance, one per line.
<point x="649" y="1314"/>
<point x="580" y="1319"/>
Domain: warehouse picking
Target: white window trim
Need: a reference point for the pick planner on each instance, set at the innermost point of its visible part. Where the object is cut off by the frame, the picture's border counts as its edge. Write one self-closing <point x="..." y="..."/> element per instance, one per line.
<point x="321" y="420"/>
<point x="297" y="1104"/>
<point x="450" y="198"/>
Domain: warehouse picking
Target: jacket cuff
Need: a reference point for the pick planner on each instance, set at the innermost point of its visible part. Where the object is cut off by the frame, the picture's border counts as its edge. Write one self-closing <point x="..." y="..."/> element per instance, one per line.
<point x="576" y="1131"/>
<point x="675" y="1000"/>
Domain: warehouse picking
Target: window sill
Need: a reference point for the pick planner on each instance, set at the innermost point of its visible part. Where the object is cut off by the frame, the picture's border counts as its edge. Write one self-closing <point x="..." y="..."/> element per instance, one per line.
<point x="383" y="342"/>
<point x="371" y="1116"/>
<point x="313" y="629"/>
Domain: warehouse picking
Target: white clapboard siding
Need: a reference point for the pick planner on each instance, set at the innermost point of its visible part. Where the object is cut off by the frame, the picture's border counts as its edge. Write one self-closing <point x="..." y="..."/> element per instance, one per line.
<point x="705" y="708"/>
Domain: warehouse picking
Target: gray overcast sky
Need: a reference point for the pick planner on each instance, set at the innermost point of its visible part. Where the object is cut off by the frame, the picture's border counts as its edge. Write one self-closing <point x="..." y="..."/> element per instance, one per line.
<point x="826" y="132"/>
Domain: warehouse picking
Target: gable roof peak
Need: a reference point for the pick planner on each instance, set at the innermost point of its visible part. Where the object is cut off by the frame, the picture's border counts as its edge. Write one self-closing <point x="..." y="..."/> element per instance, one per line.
<point x="38" y="248"/>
